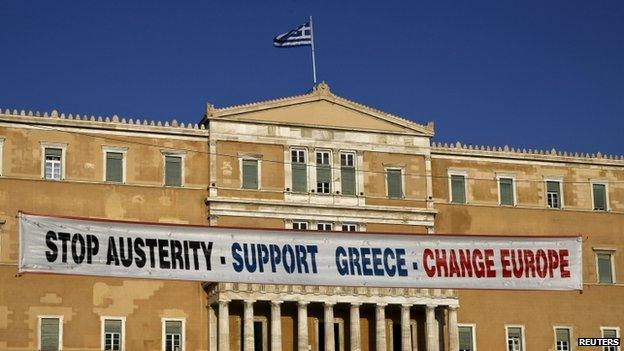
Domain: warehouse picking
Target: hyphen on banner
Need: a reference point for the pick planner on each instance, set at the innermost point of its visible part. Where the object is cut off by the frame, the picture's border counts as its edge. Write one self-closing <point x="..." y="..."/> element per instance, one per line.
<point x="124" y="249"/>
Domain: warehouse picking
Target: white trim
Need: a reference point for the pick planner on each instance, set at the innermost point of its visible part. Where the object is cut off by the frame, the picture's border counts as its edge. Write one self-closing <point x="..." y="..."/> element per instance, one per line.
<point x="455" y="172"/>
<point x="175" y="153"/>
<point x="331" y="171"/>
<point x="561" y="197"/>
<point x="521" y="326"/>
<point x="569" y="328"/>
<point x="298" y="221"/>
<point x="288" y="184"/>
<point x="250" y="157"/>
<point x="617" y="334"/>
<point x="60" y="318"/>
<point x="1" y="155"/>
<point x="331" y="225"/>
<point x="395" y="168"/>
<point x="511" y="176"/>
<point x="116" y="149"/>
<point x="606" y="184"/>
<point x="611" y="254"/>
<point x="354" y="155"/>
<point x="163" y="337"/>
<point x="473" y="327"/>
<point x="123" y="330"/>
<point x="357" y="227"/>
<point x="49" y="145"/>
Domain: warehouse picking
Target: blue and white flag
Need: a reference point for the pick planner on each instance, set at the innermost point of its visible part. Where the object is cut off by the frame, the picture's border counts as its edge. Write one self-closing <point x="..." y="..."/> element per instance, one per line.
<point x="301" y="36"/>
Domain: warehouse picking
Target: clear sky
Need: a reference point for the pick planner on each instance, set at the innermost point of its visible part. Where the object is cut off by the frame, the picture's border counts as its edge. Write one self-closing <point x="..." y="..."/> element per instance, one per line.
<point x="534" y="74"/>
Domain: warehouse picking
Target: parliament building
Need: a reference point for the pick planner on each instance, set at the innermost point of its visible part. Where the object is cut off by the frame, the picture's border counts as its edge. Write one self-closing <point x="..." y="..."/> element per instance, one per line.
<point x="311" y="162"/>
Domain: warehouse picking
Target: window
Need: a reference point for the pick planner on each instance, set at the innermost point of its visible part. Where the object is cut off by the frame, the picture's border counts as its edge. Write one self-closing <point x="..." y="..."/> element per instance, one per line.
<point x="115" y="164"/>
<point x="324" y="226"/>
<point x="53" y="166"/>
<point x="323" y="172"/>
<point x="466" y="338"/>
<point x="173" y="170"/>
<point x="347" y="173"/>
<point x="506" y="191"/>
<point x="515" y="339"/>
<point x="173" y="335"/>
<point x="113" y="333"/>
<point x="457" y="187"/>
<point x="600" y="197"/>
<point x="299" y="171"/>
<point x="394" y="180"/>
<point x="604" y="262"/>
<point x="250" y="173"/>
<point x="553" y="194"/>
<point x="300" y="225"/>
<point x="610" y="332"/>
<point x="50" y="333"/>
<point x="562" y="339"/>
<point x="349" y="227"/>
<point x="1" y="154"/>
<point x="260" y="334"/>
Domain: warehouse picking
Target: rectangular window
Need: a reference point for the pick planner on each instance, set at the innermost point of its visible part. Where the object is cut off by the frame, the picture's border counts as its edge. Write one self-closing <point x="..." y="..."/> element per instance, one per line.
<point x="553" y="194"/>
<point x="514" y="339"/>
<point x="300" y="225"/>
<point x="173" y="335"/>
<point x="1" y="155"/>
<point x="250" y="174"/>
<point x="299" y="171"/>
<point x="506" y="191"/>
<point x="394" y="184"/>
<point x="114" y="167"/>
<point x="173" y="170"/>
<point x="466" y="342"/>
<point x="113" y="330"/>
<point x="50" y="333"/>
<point x="610" y="333"/>
<point x="458" y="188"/>
<point x="347" y="173"/>
<point x="605" y="267"/>
<point x="562" y="339"/>
<point x="349" y="227"/>
<point x="53" y="163"/>
<point x="599" y="194"/>
<point x="324" y="226"/>
<point x="323" y="172"/>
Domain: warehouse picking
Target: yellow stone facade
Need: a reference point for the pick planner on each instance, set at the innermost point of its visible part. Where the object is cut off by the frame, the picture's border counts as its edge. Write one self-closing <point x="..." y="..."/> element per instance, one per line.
<point x="212" y="194"/>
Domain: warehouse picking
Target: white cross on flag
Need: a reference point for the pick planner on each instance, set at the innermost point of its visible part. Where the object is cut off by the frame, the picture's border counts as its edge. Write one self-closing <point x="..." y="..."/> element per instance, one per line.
<point x="300" y="36"/>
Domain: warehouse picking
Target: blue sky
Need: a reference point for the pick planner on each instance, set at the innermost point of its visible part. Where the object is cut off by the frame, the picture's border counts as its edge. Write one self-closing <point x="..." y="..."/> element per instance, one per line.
<point x="534" y="74"/>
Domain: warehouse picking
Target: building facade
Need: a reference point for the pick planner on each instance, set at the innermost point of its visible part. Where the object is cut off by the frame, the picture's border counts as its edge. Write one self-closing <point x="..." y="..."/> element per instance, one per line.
<point x="315" y="161"/>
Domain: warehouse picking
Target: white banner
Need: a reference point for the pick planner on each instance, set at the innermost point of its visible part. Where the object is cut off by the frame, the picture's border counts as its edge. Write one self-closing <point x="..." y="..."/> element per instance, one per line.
<point x="137" y="250"/>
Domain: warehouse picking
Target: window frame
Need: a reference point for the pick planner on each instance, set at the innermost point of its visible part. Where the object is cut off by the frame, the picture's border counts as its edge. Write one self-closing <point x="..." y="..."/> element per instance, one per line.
<point x="511" y="176"/>
<point x="60" y="318"/>
<point x="617" y="335"/>
<point x="115" y="149"/>
<point x="122" y="342"/>
<point x="164" y="336"/>
<point x="569" y="328"/>
<point x="473" y="328"/>
<point x="462" y="173"/>
<point x="353" y="154"/>
<point x="521" y="326"/>
<point x="593" y="182"/>
<point x="331" y="226"/>
<point x="173" y="153"/>
<point x="307" y="224"/>
<point x="561" y="196"/>
<point x="1" y="156"/>
<point x="252" y="157"/>
<point x="611" y="253"/>
<point x="288" y="172"/>
<point x="265" y="330"/>
<point x="50" y="145"/>
<point x="355" y="225"/>
<point x="395" y="168"/>
<point x="331" y="171"/>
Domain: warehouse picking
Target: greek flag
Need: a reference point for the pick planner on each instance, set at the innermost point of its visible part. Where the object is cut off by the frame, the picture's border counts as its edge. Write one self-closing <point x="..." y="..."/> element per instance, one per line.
<point x="301" y="36"/>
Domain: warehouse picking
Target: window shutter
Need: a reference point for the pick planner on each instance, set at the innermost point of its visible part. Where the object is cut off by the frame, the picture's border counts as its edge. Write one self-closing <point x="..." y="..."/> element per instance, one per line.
<point x="465" y="338"/>
<point x="563" y="335"/>
<point x="112" y="326"/>
<point x="604" y="268"/>
<point x="552" y="187"/>
<point x="458" y="189"/>
<point x="49" y="334"/>
<point x="114" y="167"/>
<point x="609" y="333"/>
<point x="250" y="174"/>
<point x="514" y="332"/>
<point x="323" y="173"/>
<point x="394" y="183"/>
<point x="173" y="171"/>
<point x="347" y="175"/>
<point x="600" y="198"/>
<point x="173" y="327"/>
<point x="299" y="177"/>
<point x="506" y="191"/>
<point x="53" y="152"/>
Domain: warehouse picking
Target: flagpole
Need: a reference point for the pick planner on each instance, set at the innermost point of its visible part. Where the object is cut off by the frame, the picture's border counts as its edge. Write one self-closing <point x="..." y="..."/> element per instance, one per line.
<point x="313" y="59"/>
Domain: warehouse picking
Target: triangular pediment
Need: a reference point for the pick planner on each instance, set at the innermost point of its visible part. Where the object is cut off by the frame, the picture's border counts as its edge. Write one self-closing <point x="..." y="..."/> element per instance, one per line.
<point x="319" y="108"/>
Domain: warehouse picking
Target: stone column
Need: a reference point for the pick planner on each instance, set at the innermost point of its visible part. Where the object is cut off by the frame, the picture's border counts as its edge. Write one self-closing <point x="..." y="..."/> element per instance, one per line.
<point x="276" y="326"/>
<point x="380" y="326"/>
<point x="329" y="327"/>
<point x="248" y="326"/>
<point x="355" y="327"/>
<point x="453" y="329"/>
<point x="432" y="330"/>
<point x="212" y="328"/>
<point x="224" y="325"/>
<point x="406" y="334"/>
<point x="302" y="326"/>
